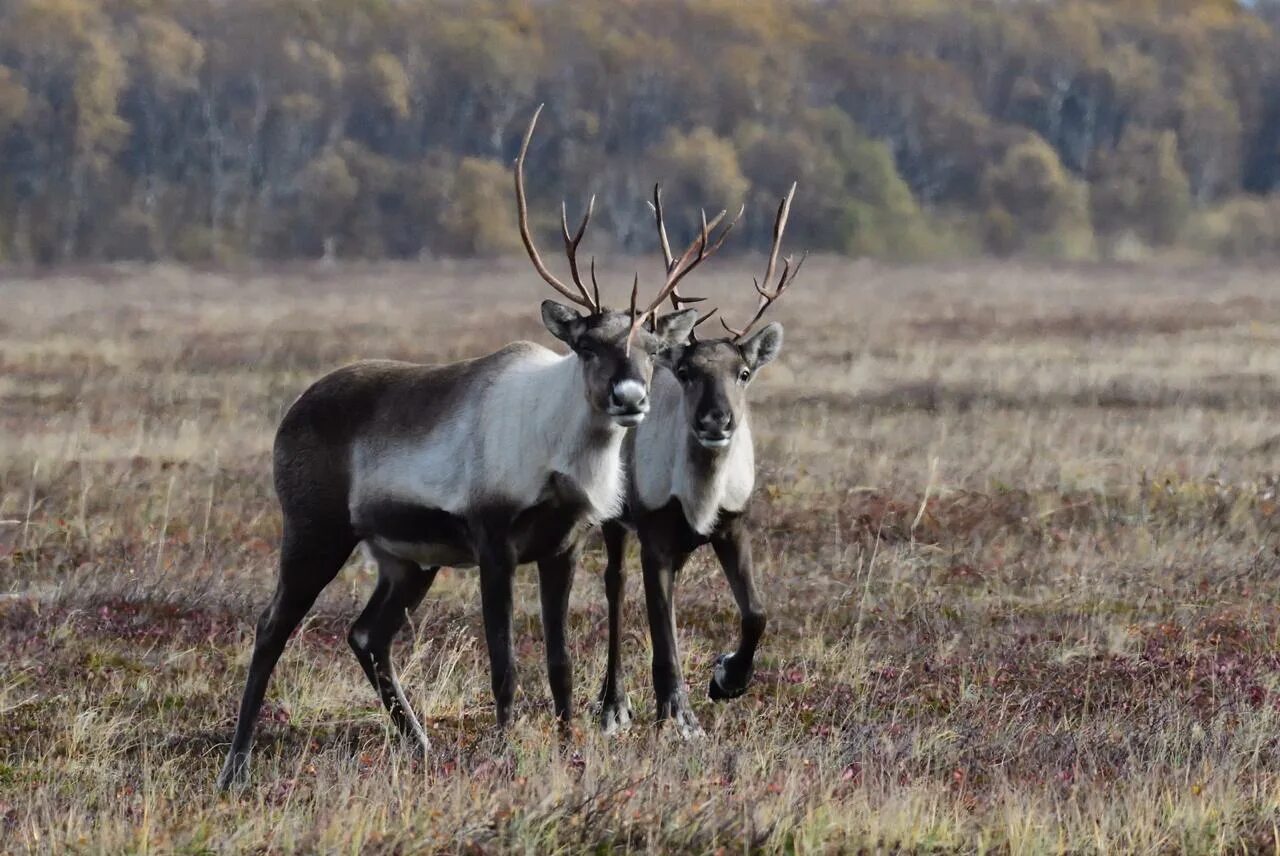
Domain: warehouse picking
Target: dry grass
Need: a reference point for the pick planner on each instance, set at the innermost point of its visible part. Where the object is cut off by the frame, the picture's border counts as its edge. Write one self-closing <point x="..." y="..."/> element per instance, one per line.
<point x="1018" y="527"/>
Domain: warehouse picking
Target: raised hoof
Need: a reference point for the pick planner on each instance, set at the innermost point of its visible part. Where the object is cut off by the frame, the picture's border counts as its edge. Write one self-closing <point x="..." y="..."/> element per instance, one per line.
<point x="615" y="715"/>
<point x="724" y="684"/>
<point x="235" y="773"/>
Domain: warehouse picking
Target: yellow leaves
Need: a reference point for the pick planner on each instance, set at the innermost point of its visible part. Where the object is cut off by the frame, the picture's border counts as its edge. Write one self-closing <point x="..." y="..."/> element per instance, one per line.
<point x="99" y="78"/>
<point x="1032" y="200"/>
<point x="478" y="218"/>
<point x="74" y="47"/>
<point x="168" y="54"/>
<point x="13" y="98"/>
<point x="1140" y="187"/>
<point x="301" y="106"/>
<point x="328" y="190"/>
<point x="1242" y="228"/>
<point x="313" y="61"/>
<point x="52" y="28"/>
<point x="388" y="83"/>
<point x="700" y="169"/>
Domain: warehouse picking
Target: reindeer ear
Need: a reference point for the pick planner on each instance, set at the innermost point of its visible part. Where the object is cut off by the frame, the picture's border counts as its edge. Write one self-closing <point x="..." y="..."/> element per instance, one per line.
<point x="561" y="321"/>
<point x="763" y="346"/>
<point x="674" y="329"/>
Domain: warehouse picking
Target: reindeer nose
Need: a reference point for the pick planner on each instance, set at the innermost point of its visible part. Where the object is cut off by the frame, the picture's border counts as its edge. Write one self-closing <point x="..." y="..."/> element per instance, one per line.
<point x="628" y="395"/>
<point x="717" y="420"/>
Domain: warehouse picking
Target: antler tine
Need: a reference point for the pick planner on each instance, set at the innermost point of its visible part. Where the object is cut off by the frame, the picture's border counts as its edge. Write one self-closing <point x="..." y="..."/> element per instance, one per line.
<point x="767" y="298"/>
<point x="678" y="300"/>
<point x="582" y="298"/>
<point x="635" y="322"/>
<point x="784" y="282"/>
<point x="701" y="249"/>
<point x="779" y="226"/>
<point x="595" y="286"/>
<point x="571" y="245"/>
<point x="656" y="205"/>
<point x="697" y="252"/>
<point x="785" y="279"/>
<point x="706" y="317"/>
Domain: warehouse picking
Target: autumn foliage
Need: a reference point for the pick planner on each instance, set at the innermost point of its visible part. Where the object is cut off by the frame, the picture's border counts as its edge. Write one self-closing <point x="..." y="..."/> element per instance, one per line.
<point x="144" y="129"/>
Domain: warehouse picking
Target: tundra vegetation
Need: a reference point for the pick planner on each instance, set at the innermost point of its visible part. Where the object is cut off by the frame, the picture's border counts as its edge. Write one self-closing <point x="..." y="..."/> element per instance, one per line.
<point x="371" y="129"/>
<point x="1016" y="532"/>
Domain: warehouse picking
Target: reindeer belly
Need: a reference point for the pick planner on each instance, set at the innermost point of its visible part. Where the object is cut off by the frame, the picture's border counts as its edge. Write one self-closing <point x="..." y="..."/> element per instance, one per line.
<point x="427" y="536"/>
<point x="430" y="536"/>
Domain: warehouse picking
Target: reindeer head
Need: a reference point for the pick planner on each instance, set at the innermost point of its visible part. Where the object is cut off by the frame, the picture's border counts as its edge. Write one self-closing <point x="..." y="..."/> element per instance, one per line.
<point x="616" y="376"/>
<point x="615" y="349"/>
<point x="714" y="374"/>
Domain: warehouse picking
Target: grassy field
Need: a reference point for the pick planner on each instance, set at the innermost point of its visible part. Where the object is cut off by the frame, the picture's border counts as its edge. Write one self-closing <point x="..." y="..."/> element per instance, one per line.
<point x="1017" y="527"/>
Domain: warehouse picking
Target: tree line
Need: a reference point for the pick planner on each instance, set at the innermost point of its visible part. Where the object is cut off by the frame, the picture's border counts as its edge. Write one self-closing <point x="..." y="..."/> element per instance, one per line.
<point x="209" y="130"/>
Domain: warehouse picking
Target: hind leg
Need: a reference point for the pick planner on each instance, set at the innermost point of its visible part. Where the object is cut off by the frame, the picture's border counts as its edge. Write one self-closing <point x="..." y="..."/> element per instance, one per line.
<point x="401" y="587"/>
<point x="309" y="560"/>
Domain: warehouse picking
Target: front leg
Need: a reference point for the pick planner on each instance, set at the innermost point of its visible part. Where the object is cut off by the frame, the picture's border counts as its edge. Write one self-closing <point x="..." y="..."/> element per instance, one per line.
<point x="660" y="565"/>
<point x="497" y="559"/>
<point x="555" y="581"/>
<point x="733" y="671"/>
<point x="615" y="708"/>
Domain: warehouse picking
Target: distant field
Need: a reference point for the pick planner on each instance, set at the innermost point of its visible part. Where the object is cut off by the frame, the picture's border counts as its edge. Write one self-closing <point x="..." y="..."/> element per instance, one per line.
<point x="1018" y="532"/>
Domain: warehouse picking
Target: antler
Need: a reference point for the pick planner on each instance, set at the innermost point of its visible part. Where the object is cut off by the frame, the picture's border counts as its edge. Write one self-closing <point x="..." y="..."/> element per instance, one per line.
<point x="787" y="276"/>
<point x="698" y="251"/>
<point x="678" y="301"/>
<point x="582" y="297"/>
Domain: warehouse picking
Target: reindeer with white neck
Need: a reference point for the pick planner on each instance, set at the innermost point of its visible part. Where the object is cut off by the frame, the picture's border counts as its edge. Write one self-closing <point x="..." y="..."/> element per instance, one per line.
<point x="492" y="462"/>
<point x="692" y="470"/>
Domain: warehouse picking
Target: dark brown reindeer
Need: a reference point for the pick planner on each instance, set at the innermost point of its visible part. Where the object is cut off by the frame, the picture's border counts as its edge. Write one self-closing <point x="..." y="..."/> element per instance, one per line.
<point x="691" y="466"/>
<point x="492" y="462"/>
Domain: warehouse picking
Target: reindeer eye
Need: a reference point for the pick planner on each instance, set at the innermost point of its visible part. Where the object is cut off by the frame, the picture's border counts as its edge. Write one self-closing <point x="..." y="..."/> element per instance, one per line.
<point x="745" y="375"/>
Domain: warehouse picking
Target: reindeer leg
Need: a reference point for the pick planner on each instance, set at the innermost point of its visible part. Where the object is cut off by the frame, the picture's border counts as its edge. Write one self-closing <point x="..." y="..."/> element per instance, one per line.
<point x="661" y="564"/>
<point x="309" y="560"/>
<point x="401" y="587"/>
<point x="497" y="558"/>
<point x="615" y="707"/>
<point x="555" y="580"/>
<point x="733" y="671"/>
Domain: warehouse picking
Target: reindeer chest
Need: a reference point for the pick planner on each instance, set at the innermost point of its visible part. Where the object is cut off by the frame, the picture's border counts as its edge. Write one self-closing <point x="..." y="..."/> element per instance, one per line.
<point x="558" y="520"/>
<point x="670" y="526"/>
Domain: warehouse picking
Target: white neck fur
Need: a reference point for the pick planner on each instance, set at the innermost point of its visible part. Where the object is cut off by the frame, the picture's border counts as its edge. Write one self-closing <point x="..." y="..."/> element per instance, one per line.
<point x="669" y="464"/>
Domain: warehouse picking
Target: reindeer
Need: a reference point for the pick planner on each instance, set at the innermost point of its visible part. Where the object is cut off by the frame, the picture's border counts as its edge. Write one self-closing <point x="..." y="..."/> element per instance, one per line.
<point x="692" y="471"/>
<point x="492" y="462"/>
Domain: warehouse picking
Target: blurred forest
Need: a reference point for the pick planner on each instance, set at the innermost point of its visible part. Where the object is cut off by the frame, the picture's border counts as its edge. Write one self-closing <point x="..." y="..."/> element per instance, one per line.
<point x="211" y="130"/>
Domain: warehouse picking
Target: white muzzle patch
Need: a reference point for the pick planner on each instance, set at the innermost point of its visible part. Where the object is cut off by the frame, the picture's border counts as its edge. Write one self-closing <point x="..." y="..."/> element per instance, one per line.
<point x="628" y="402"/>
<point x="629" y="392"/>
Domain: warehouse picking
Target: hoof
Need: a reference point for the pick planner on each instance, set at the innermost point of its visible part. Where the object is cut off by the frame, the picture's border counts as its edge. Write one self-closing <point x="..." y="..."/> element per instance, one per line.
<point x="416" y="746"/>
<point x="615" y="715"/>
<point x="687" y="726"/>
<point x="235" y="773"/>
<point x="724" y="685"/>
<point x="677" y="713"/>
